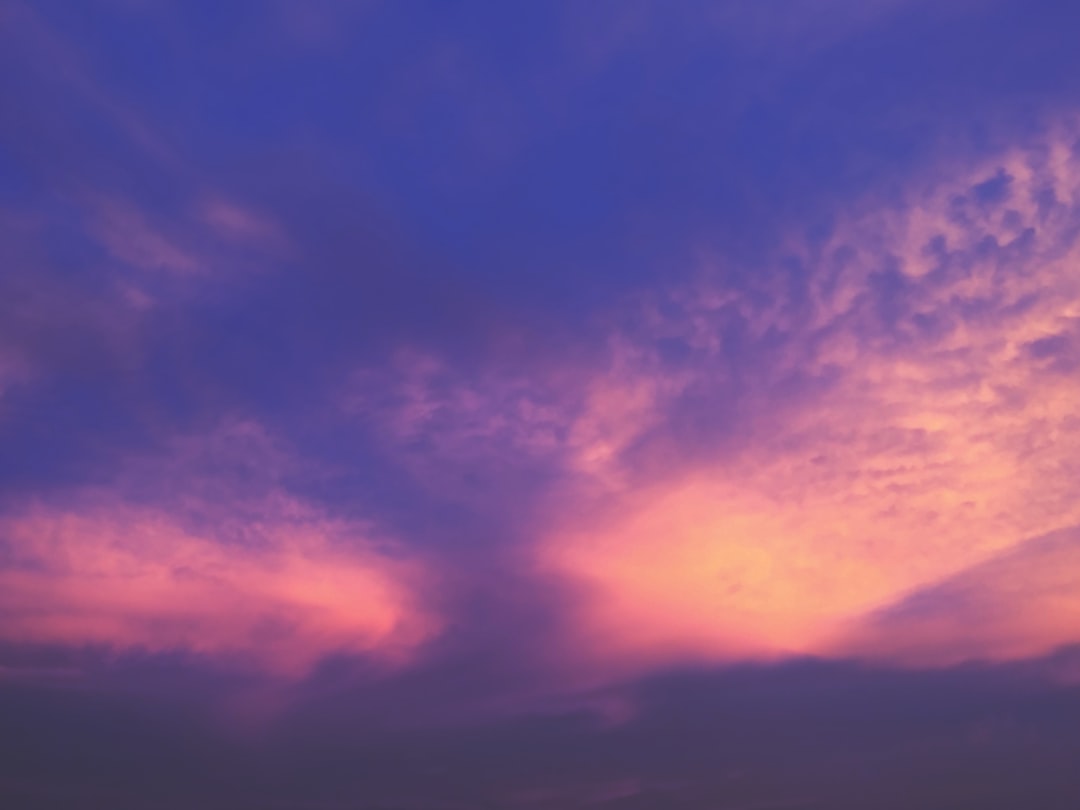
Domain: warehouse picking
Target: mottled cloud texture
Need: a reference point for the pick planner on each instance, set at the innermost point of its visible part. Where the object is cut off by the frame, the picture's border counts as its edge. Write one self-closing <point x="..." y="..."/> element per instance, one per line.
<point x="911" y="415"/>
<point x="754" y="470"/>
<point x="613" y="405"/>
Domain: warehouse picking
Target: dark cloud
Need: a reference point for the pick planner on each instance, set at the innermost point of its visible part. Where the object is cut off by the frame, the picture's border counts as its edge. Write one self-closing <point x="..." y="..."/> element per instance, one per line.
<point x="807" y="735"/>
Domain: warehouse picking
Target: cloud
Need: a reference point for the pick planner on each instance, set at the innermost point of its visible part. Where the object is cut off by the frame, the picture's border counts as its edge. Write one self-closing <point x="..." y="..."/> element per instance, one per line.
<point x="753" y="462"/>
<point x="826" y="736"/>
<point x="127" y="236"/>
<point x="239" y="224"/>
<point x="903" y="416"/>
<point x="131" y="579"/>
<point x="863" y="411"/>
<point x="1020" y="604"/>
<point x="178" y="554"/>
<point x="194" y="244"/>
<point x="47" y="324"/>
<point x="577" y="416"/>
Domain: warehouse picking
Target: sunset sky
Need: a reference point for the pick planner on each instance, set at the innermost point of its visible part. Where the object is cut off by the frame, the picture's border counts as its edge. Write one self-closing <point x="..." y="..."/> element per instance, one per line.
<point x="557" y="405"/>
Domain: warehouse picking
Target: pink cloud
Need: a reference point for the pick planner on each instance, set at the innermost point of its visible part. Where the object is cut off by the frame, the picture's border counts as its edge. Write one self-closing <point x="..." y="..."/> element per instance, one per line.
<point x="211" y="239"/>
<point x="583" y="415"/>
<point x="938" y="329"/>
<point x="434" y="418"/>
<point x="54" y="55"/>
<point x="226" y="566"/>
<point x="1022" y="603"/>
<point x="44" y="323"/>
<point x="940" y="441"/>
<point x="241" y="225"/>
<point x="129" y="237"/>
<point x="128" y="578"/>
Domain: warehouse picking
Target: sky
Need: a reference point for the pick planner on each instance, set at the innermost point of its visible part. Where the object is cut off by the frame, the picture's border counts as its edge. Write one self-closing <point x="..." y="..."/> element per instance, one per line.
<point x="475" y="405"/>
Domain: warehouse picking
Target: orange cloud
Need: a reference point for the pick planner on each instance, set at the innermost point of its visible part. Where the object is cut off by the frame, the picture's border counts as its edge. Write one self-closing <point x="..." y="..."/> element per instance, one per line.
<point x="944" y="429"/>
